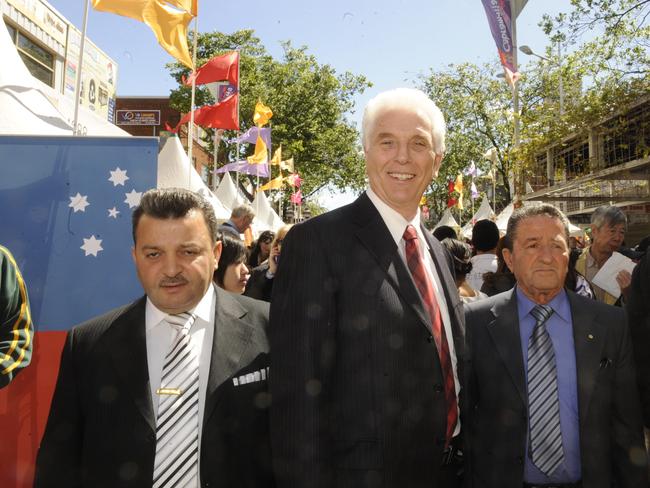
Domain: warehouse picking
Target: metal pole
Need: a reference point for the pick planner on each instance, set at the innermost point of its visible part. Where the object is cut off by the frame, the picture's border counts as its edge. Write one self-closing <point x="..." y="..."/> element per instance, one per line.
<point x="75" y="129"/>
<point x="190" y="137"/>
<point x="515" y="88"/>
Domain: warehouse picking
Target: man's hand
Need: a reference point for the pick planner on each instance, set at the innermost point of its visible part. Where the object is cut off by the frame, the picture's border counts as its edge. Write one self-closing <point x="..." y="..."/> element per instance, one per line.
<point x="624" y="280"/>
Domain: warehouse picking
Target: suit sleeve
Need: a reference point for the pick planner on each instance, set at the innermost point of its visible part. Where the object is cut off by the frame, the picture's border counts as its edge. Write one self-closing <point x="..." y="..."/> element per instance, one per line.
<point x="59" y="456"/>
<point x="302" y="352"/>
<point x="16" y="329"/>
<point x="629" y="456"/>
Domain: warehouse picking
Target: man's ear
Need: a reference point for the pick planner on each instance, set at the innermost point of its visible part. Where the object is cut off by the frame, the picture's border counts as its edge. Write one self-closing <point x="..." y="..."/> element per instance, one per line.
<point x="217" y="253"/>
<point x="507" y="257"/>
<point x="133" y="253"/>
<point x="436" y="164"/>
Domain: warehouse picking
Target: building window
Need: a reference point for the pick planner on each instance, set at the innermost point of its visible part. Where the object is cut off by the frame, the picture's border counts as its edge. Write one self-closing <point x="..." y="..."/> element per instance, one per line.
<point x="572" y="159"/>
<point x="39" y="61"/>
<point x="628" y="137"/>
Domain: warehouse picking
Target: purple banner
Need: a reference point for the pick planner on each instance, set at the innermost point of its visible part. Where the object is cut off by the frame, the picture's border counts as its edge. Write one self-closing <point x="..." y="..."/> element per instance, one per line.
<point x="250" y="136"/>
<point x="247" y="168"/>
<point x="498" y="14"/>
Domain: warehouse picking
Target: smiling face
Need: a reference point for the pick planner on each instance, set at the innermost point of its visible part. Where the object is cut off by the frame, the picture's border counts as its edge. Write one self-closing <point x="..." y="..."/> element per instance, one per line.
<point x="539" y="258"/>
<point x="400" y="160"/>
<point x="175" y="260"/>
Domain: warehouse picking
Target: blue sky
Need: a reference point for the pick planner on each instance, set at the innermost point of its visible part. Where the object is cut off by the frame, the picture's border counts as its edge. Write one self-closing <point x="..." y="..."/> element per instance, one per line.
<point x="390" y="42"/>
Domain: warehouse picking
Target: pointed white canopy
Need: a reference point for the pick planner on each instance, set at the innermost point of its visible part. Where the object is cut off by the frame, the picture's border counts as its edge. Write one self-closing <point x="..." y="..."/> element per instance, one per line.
<point x="448" y="220"/>
<point x="30" y="107"/>
<point x="266" y="218"/>
<point x="227" y="192"/>
<point x="484" y="212"/>
<point x="175" y="170"/>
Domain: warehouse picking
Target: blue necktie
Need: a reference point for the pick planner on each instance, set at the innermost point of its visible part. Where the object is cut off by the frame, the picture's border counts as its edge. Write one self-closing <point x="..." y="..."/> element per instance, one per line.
<point x="543" y="401"/>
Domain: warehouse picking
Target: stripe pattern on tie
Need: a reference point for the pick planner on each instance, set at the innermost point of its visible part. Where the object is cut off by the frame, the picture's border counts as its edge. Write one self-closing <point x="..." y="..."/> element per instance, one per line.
<point x="543" y="402"/>
<point x="177" y="425"/>
<point x="415" y="263"/>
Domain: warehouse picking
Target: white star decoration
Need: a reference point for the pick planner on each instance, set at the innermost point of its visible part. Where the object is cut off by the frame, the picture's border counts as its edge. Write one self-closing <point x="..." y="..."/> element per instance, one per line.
<point x="118" y="177"/>
<point x="133" y="198"/>
<point x="92" y="246"/>
<point x="112" y="212"/>
<point x="79" y="203"/>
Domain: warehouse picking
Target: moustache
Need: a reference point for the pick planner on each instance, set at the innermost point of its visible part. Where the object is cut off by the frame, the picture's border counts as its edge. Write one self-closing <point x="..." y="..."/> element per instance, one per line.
<point x="176" y="280"/>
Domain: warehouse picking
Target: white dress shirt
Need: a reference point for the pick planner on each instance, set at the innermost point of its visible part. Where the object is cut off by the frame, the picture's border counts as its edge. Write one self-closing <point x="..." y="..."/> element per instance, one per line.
<point x="159" y="335"/>
<point x="396" y="224"/>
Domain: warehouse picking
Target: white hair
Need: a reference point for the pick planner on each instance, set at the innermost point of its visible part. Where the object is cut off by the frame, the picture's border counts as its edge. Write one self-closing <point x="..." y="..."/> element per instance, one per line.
<point x="411" y="98"/>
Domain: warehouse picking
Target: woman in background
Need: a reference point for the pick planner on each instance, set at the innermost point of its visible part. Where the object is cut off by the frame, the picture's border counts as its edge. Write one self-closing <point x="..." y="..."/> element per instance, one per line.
<point x="232" y="274"/>
<point x="261" y="249"/>
<point x="462" y="255"/>
<point x="260" y="285"/>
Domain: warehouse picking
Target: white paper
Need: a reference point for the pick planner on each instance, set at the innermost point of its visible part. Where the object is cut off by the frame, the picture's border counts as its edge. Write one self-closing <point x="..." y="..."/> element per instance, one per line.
<point x="606" y="276"/>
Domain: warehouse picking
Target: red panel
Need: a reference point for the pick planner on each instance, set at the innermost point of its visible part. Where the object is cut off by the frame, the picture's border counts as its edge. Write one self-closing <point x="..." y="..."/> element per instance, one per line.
<point x="24" y="406"/>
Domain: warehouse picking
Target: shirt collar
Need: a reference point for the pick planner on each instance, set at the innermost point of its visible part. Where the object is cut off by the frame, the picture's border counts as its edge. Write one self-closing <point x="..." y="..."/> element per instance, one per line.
<point x="559" y="304"/>
<point x="395" y="222"/>
<point x="202" y="309"/>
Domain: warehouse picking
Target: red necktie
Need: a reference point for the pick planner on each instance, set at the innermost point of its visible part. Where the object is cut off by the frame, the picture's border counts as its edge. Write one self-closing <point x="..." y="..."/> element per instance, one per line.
<point x="425" y="287"/>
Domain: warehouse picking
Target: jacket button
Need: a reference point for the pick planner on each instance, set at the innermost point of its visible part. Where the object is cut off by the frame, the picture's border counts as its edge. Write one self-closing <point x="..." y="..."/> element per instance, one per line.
<point x="520" y="460"/>
<point x="437" y="388"/>
<point x="430" y="339"/>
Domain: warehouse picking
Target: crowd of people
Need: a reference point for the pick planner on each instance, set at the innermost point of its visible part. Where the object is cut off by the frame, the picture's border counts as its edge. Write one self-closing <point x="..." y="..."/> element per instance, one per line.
<point x="359" y="349"/>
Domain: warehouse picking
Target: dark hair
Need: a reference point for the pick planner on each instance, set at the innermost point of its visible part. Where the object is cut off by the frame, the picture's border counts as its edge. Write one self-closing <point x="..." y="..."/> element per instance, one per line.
<point x="461" y="254"/>
<point x="529" y="211"/>
<point x="233" y="251"/>
<point x="444" y="232"/>
<point x="174" y="203"/>
<point x="266" y="236"/>
<point x="485" y="235"/>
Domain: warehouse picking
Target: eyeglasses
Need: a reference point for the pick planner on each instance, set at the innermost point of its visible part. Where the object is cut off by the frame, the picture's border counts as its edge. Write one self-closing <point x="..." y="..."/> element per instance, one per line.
<point x="266" y="239"/>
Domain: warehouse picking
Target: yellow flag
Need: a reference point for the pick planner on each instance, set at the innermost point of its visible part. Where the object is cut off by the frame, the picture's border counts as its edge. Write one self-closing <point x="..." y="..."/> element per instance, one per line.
<point x="423" y="201"/>
<point x="287" y="165"/>
<point x="277" y="157"/>
<point x="262" y="114"/>
<point x="261" y="155"/>
<point x="190" y="6"/>
<point x="458" y="186"/>
<point x="168" y="24"/>
<point x="273" y="184"/>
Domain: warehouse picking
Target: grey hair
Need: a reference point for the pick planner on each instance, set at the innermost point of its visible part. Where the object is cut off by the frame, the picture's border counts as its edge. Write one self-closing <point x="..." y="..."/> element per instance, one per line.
<point x="608" y="215"/>
<point x="242" y="211"/>
<point x="411" y="98"/>
<point x="529" y="211"/>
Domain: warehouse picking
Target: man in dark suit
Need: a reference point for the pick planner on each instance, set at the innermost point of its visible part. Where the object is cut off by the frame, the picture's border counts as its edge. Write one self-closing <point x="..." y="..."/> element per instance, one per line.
<point x="554" y="399"/>
<point x="366" y="324"/>
<point x="136" y="383"/>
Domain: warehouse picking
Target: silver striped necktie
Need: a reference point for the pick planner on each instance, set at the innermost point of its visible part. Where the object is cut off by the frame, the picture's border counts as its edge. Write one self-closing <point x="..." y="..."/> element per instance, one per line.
<point x="543" y="402"/>
<point x="177" y="425"/>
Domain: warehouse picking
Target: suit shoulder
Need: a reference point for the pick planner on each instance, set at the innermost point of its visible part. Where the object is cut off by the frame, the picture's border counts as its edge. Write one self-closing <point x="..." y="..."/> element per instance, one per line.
<point x="328" y="220"/>
<point x="253" y="305"/>
<point x="602" y="310"/>
<point x="96" y="326"/>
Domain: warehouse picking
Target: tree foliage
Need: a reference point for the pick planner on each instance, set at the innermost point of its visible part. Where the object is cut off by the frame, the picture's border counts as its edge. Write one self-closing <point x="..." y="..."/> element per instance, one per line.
<point x="478" y="110"/>
<point x="310" y="104"/>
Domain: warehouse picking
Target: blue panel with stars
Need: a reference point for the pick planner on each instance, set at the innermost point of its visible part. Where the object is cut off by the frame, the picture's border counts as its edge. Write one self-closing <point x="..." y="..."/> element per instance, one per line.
<point x="65" y="214"/>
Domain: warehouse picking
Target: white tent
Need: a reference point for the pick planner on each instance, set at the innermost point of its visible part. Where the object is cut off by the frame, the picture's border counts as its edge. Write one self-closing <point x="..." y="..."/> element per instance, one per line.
<point x="266" y="218"/>
<point x="175" y="170"/>
<point x="448" y="220"/>
<point x="502" y="219"/>
<point x="227" y="193"/>
<point x="484" y="212"/>
<point x="29" y="107"/>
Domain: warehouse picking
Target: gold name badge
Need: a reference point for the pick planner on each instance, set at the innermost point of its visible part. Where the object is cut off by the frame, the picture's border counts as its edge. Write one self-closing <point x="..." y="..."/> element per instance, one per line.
<point x="168" y="391"/>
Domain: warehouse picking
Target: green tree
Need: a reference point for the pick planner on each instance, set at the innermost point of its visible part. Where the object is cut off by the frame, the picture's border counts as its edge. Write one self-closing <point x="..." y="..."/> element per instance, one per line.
<point x="310" y="104"/>
<point x="478" y="109"/>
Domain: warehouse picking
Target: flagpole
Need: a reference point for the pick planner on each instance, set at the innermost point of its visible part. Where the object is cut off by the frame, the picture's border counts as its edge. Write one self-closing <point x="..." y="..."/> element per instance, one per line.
<point x="238" y="118"/>
<point x="190" y="137"/>
<point x="75" y="129"/>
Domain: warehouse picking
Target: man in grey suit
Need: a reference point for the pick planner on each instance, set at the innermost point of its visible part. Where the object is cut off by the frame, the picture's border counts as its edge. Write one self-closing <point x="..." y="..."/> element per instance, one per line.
<point x="366" y="325"/>
<point x="169" y="391"/>
<point x="554" y="399"/>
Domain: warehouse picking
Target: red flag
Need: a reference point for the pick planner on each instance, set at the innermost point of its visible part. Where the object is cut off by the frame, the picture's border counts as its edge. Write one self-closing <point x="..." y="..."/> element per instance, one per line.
<point x="294" y="180"/>
<point x="296" y="198"/>
<point x="451" y="201"/>
<point x="219" y="68"/>
<point x="222" y="115"/>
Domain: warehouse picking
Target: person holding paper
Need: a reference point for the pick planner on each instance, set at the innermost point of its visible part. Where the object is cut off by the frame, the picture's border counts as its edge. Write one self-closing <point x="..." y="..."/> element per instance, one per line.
<point x="608" y="225"/>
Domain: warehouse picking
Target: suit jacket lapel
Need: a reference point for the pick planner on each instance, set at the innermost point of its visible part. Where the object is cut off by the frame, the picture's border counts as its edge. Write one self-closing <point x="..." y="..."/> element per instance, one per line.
<point x="589" y="340"/>
<point x="504" y="330"/>
<point x="127" y="347"/>
<point x="374" y="235"/>
<point x="232" y="336"/>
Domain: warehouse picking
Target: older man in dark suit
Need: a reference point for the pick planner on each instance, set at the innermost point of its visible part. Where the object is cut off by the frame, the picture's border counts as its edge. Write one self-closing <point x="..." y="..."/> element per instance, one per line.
<point x="169" y="391"/>
<point x="366" y="324"/>
<point x="554" y="399"/>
